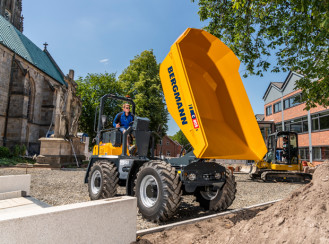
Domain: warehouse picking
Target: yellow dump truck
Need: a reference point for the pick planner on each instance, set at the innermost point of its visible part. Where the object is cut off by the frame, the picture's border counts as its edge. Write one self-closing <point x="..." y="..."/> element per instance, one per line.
<point x="205" y="96"/>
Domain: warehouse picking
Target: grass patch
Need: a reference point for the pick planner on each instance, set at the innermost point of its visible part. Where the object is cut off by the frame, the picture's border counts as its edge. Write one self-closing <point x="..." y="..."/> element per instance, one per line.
<point x="11" y="161"/>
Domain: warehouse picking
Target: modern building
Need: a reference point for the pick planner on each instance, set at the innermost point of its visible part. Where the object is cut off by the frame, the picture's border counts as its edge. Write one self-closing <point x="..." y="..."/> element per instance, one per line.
<point x="168" y="148"/>
<point x="284" y="109"/>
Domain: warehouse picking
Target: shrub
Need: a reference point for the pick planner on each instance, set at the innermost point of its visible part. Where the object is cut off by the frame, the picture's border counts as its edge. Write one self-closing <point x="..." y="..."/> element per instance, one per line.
<point x="19" y="150"/>
<point x="16" y="150"/>
<point x="4" y="152"/>
<point x="23" y="150"/>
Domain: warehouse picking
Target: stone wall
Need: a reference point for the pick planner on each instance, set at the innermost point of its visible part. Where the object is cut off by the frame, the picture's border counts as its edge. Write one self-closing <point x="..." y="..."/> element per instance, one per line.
<point x="33" y="101"/>
<point x="5" y="64"/>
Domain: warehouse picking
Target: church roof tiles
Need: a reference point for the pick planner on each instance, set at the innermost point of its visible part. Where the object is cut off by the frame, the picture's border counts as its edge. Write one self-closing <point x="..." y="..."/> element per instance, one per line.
<point x="24" y="47"/>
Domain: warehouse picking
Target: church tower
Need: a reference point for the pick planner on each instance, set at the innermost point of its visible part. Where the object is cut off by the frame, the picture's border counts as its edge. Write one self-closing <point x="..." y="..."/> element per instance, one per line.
<point x="12" y="11"/>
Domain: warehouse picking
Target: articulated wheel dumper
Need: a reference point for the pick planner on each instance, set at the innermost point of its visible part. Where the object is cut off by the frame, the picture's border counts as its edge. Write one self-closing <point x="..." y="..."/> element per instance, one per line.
<point x="205" y="96"/>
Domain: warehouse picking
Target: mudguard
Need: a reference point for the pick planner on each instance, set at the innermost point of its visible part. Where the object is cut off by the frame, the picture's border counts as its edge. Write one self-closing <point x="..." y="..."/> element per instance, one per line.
<point x="206" y="97"/>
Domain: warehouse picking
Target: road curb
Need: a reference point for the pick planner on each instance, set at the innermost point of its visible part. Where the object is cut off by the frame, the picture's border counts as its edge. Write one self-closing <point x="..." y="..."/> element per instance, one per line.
<point x="190" y="221"/>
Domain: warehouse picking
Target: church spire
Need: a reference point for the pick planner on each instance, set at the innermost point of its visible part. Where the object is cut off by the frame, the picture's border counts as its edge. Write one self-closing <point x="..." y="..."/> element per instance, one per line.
<point x="12" y="11"/>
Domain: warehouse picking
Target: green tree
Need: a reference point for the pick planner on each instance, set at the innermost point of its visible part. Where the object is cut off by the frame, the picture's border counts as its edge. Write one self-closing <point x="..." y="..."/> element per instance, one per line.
<point x="141" y="81"/>
<point x="90" y="90"/>
<point x="180" y="138"/>
<point x="296" y="31"/>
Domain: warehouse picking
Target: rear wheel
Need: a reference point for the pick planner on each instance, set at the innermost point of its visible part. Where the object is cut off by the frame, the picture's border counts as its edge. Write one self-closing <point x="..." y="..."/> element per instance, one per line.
<point x="103" y="180"/>
<point x="158" y="191"/>
<point x="220" y="199"/>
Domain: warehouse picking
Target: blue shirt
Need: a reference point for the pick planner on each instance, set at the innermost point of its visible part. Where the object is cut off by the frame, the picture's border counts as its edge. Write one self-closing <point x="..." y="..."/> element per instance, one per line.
<point x="123" y="120"/>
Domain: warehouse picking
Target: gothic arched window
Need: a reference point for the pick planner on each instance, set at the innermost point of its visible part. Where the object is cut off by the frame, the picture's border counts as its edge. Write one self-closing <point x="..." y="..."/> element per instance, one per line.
<point x="30" y="103"/>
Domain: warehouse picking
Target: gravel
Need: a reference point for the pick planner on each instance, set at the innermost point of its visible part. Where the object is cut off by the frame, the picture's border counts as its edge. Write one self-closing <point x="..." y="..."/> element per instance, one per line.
<point x="60" y="187"/>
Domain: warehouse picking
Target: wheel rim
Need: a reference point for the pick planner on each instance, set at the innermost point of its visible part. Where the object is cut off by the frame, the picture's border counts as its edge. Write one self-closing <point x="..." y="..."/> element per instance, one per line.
<point x="149" y="190"/>
<point x="96" y="180"/>
<point x="209" y="195"/>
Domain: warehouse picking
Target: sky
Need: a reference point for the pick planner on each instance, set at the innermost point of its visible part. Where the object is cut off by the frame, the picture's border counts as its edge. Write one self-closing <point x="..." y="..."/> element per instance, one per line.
<point x="104" y="35"/>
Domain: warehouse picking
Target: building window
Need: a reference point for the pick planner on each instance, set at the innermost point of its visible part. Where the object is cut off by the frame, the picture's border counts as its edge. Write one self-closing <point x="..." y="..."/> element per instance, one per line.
<point x="287" y="125"/>
<point x="168" y="153"/>
<point x="320" y="121"/>
<point x="277" y="107"/>
<point x="266" y="131"/>
<point x="324" y="122"/>
<point x="315" y="124"/>
<point x="30" y="103"/>
<point x="160" y="142"/>
<point x="305" y="125"/>
<point x="278" y="127"/>
<point x="299" y="125"/>
<point x="167" y="143"/>
<point x="304" y="153"/>
<point x="268" y="110"/>
<point x="316" y="153"/>
<point x="325" y="153"/>
<point x="292" y="101"/>
<point x="286" y="103"/>
<point x="296" y="126"/>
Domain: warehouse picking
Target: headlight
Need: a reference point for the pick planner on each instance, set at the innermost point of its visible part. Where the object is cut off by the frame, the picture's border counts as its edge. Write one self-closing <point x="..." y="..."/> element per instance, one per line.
<point x="191" y="177"/>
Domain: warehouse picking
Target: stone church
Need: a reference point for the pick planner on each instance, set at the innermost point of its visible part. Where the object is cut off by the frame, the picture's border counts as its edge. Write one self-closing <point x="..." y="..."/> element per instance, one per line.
<point x="36" y="98"/>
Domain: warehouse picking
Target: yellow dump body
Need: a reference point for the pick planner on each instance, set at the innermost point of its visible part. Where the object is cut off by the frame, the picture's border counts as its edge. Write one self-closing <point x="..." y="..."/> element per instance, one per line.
<point x="206" y="97"/>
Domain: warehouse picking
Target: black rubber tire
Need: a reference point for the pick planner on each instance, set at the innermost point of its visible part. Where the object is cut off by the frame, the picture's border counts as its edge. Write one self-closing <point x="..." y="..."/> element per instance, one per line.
<point x="109" y="180"/>
<point x="224" y="197"/>
<point x="170" y="192"/>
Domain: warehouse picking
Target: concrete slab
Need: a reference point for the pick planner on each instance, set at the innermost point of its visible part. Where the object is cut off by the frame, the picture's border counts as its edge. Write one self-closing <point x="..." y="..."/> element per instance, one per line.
<point x="12" y="194"/>
<point x="103" y="221"/>
<point x="10" y="183"/>
<point x="21" y="204"/>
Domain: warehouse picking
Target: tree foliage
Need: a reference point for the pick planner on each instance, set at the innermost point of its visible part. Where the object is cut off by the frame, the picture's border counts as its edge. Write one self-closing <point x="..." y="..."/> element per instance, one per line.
<point x="141" y="81"/>
<point x="90" y="90"/>
<point x="180" y="138"/>
<point x="297" y="31"/>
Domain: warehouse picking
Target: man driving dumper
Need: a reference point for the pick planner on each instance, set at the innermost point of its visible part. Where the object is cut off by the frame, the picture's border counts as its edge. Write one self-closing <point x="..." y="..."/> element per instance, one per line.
<point x="123" y="119"/>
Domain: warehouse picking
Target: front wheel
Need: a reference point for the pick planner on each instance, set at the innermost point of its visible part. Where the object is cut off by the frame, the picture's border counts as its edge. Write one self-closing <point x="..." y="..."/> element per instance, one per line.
<point x="103" y="180"/>
<point x="219" y="199"/>
<point x="158" y="191"/>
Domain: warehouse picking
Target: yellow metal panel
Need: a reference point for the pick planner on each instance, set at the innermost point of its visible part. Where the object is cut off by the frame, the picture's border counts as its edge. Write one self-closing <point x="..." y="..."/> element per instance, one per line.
<point x="290" y="167"/>
<point x="261" y="164"/>
<point x="107" y="149"/>
<point x="207" y="99"/>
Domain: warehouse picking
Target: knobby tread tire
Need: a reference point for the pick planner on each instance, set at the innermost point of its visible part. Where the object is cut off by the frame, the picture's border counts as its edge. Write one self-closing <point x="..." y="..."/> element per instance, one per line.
<point x="171" y="192"/>
<point x="227" y="195"/>
<point x="110" y="179"/>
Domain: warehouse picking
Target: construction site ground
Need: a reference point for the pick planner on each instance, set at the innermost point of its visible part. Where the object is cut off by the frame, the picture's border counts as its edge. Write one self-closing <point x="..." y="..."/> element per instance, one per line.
<point x="301" y="217"/>
<point x="59" y="187"/>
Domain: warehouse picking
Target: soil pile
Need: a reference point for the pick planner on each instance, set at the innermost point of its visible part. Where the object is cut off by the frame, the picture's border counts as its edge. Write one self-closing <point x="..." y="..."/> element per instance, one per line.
<point x="301" y="218"/>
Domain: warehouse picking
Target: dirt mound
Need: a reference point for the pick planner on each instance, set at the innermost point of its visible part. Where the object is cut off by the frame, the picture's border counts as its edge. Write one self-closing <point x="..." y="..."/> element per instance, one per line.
<point x="301" y="218"/>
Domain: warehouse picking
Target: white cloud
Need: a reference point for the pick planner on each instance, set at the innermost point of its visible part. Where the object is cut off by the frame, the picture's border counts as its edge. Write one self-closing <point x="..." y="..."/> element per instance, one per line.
<point x="105" y="60"/>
